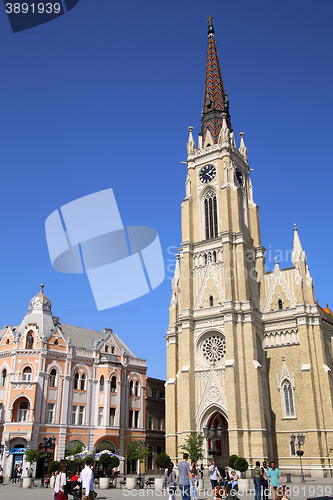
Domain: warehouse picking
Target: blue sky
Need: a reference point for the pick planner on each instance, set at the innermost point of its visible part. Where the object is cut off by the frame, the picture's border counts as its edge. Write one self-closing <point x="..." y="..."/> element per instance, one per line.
<point x="102" y="97"/>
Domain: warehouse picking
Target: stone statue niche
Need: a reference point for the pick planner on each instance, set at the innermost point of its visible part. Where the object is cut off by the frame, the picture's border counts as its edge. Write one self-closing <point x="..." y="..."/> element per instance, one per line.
<point x="29" y="341"/>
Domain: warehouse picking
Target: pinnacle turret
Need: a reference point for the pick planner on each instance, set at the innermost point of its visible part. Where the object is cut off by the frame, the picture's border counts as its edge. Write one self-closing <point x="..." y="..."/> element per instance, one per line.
<point x="215" y="100"/>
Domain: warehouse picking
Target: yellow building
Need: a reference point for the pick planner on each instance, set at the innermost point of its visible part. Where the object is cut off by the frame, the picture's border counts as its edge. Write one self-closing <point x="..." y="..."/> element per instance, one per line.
<point x="247" y="350"/>
<point x="70" y="382"/>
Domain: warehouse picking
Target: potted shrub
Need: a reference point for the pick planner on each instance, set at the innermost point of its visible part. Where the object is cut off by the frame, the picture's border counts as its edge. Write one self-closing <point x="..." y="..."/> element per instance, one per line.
<point x="162" y="461"/>
<point x="31" y="456"/>
<point x="231" y="461"/>
<point x="242" y="465"/>
<point x="105" y="461"/>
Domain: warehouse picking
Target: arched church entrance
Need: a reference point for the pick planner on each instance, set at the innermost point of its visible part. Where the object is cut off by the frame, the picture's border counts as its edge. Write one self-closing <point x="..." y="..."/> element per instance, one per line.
<point x="222" y="445"/>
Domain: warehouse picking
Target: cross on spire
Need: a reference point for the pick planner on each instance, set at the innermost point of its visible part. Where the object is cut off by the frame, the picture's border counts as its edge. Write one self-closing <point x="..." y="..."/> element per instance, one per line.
<point x="210" y="20"/>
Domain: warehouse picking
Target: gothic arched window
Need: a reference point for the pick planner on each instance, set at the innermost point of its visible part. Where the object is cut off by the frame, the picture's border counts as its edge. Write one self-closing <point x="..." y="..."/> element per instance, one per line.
<point x="136" y="389"/>
<point x="76" y="381"/>
<point x="280" y="304"/>
<point x="101" y="384"/>
<point x="113" y="384"/>
<point x="131" y="388"/>
<point x="210" y="215"/>
<point x="53" y="376"/>
<point x="26" y="374"/>
<point x="83" y="382"/>
<point x="211" y="301"/>
<point x="288" y="399"/>
<point x="3" y="377"/>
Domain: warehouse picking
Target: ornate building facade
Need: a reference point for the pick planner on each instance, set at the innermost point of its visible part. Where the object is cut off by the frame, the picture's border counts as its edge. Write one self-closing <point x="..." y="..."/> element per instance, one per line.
<point x="247" y="350"/>
<point x="68" y="382"/>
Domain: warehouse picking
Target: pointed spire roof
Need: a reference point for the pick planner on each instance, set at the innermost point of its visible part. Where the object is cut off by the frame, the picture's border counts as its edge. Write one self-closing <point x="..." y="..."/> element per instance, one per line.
<point x="298" y="254"/>
<point x="215" y="99"/>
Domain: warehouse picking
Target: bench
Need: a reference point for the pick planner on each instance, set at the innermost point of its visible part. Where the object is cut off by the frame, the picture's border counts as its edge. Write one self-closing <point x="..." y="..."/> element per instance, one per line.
<point x="150" y="482"/>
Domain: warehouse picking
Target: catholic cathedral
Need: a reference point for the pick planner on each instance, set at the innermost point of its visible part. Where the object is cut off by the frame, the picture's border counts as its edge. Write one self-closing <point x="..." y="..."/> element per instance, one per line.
<point x="249" y="352"/>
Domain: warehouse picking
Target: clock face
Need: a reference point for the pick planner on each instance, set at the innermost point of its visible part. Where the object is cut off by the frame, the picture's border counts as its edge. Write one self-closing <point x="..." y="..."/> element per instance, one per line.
<point x="207" y="174"/>
<point x="239" y="177"/>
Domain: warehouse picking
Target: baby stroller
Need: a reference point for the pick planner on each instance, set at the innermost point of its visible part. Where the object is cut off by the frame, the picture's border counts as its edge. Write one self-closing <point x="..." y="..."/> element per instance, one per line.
<point x="74" y="488"/>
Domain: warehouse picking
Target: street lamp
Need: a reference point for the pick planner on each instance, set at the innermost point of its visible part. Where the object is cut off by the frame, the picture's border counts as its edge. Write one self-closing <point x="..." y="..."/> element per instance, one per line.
<point x="300" y="441"/>
<point x="212" y="434"/>
<point x="46" y="448"/>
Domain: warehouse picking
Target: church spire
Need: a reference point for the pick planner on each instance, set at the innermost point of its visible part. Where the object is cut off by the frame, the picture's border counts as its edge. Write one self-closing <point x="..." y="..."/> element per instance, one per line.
<point x="215" y="100"/>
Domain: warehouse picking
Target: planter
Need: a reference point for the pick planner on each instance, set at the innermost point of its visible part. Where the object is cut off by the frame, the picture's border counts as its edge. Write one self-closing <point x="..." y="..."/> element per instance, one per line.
<point x="104" y="483"/>
<point x="130" y="483"/>
<point x="27" y="482"/>
<point x="158" y="483"/>
<point x="244" y="484"/>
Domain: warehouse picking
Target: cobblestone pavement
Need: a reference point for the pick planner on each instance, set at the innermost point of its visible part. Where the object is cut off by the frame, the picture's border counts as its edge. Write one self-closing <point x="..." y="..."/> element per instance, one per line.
<point x="298" y="491"/>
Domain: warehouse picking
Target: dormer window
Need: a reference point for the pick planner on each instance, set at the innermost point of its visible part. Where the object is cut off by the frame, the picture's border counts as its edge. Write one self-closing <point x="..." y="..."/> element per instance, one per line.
<point x="106" y="349"/>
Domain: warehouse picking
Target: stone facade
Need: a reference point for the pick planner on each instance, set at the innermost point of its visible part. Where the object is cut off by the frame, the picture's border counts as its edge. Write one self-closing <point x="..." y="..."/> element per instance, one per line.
<point x="70" y="382"/>
<point x="247" y="349"/>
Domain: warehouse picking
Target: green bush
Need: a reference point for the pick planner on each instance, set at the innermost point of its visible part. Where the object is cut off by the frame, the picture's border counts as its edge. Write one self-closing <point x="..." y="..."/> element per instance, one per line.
<point x="162" y="460"/>
<point x="231" y="461"/>
<point x="54" y="466"/>
<point x="241" y="464"/>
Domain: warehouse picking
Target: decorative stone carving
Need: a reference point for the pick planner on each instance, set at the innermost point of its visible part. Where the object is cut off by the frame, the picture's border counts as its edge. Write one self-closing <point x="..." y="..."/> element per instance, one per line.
<point x="214" y="349"/>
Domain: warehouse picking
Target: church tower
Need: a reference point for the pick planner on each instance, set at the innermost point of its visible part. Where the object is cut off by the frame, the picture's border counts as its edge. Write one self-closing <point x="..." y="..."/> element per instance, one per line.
<point x="216" y="371"/>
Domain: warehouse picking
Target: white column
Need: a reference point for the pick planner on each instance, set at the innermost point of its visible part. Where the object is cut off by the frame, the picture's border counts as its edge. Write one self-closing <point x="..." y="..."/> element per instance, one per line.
<point x="107" y="398"/>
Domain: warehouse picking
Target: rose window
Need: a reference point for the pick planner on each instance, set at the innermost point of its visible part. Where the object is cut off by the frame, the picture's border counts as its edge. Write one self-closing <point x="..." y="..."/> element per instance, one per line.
<point x="213" y="349"/>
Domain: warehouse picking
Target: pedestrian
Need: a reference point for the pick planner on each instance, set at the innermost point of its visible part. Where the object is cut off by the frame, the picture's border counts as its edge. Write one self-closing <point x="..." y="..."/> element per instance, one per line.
<point x="228" y="495"/>
<point x="264" y="481"/>
<point x="257" y="475"/>
<point x="19" y="474"/>
<point x="213" y="474"/>
<point x="60" y="479"/>
<point x="14" y="478"/>
<point x="31" y="475"/>
<point x="194" y="473"/>
<point x="1" y="475"/>
<point x="202" y="470"/>
<point x="274" y="480"/>
<point x="286" y="492"/>
<point x="87" y="481"/>
<point x="185" y="477"/>
<point x="170" y="482"/>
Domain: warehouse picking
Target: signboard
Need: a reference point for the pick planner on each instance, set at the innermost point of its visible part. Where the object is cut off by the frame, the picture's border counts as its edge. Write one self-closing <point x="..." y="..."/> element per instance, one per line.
<point x="13" y="451"/>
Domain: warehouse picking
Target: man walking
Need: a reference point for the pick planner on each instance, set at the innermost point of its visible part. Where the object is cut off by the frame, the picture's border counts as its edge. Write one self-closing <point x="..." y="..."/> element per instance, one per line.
<point x="87" y="480"/>
<point x="274" y="480"/>
<point x="257" y="475"/>
<point x="213" y="474"/>
<point x="264" y="481"/>
<point x="185" y="476"/>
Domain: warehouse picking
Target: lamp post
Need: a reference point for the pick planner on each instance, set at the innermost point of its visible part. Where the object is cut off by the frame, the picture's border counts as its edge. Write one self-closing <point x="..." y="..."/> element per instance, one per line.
<point x="300" y="441"/>
<point x="46" y="448"/>
<point x="212" y="434"/>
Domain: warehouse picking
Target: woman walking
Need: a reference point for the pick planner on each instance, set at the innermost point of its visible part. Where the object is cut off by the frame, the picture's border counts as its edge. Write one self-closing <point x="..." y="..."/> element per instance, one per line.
<point x="60" y="478"/>
<point x="170" y="482"/>
<point x="194" y="486"/>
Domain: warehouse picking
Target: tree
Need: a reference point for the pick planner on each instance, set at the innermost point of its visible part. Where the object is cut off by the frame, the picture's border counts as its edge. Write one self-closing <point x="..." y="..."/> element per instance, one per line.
<point x="114" y="462"/>
<point x="162" y="460"/>
<point x="105" y="460"/>
<point x="54" y="466"/>
<point x="32" y="456"/>
<point x="231" y="461"/>
<point x="193" y="445"/>
<point x="75" y="465"/>
<point x="241" y="464"/>
<point x="74" y="448"/>
<point x="136" y="451"/>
